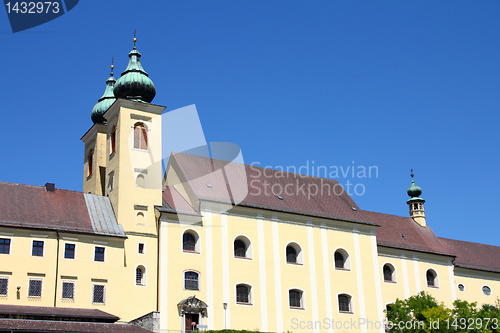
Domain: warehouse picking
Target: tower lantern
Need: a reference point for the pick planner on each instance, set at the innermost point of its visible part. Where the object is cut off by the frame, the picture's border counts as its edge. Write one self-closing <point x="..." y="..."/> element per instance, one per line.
<point x="415" y="203"/>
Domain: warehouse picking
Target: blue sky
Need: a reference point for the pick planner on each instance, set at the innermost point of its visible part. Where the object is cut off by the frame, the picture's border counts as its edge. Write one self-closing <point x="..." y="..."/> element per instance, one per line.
<point x="391" y="84"/>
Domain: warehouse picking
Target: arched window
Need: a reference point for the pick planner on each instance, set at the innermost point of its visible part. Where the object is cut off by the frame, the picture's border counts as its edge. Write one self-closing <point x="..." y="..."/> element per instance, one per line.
<point x="140" y="136"/>
<point x="112" y="140"/>
<point x="239" y="248"/>
<point x="345" y="303"/>
<point x="295" y="299"/>
<point x="294" y="254"/>
<point x="140" y="218"/>
<point x="140" y="274"/>
<point x="191" y="281"/>
<point x="388" y="271"/>
<point x="140" y="181"/>
<point x="190" y="242"/>
<point x="431" y="276"/>
<point x="243" y="294"/>
<point x="342" y="260"/>
<point x="242" y="247"/>
<point x="90" y="160"/>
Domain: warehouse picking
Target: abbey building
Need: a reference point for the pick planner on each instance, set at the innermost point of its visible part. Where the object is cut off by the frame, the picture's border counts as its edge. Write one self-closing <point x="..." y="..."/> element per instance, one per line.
<point x="190" y="242"/>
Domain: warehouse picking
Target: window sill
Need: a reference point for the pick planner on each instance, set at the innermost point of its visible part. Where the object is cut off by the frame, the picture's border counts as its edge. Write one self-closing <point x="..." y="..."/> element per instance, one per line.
<point x="433" y="287"/>
<point x="342" y="269"/>
<point x="346" y="312"/>
<point x="89" y="176"/>
<point x="296" y="308"/>
<point x="295" y="263"/>
<point x="245" y="258"/>
<point x="191" y="252"/>
<point x="112" y="155"/>
<point x="239" y="303"/>
<point x="390" y="281"/>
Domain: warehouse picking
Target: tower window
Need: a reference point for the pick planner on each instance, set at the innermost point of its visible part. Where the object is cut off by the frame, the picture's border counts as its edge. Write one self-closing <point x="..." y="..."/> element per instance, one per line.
<point x="242" y="247"/>
<point x="113" y="140"/>
<point x="191" y="281"/>
<point x="140" y="273"/>
<point x="90" y="161"/>
<point x="140" y="136"/>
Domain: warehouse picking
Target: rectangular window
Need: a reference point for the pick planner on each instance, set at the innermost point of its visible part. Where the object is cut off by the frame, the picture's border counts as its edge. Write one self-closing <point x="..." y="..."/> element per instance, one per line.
<point x="35" y="288"/>
<point x="4" y="286"/>
<point x="5" y="245"/>
<point x="99" y="254"/>
<point x="68" y="290"/>
<point x="37" y="249"/>
<point x="98" y="294"/>
<point x="69" y="251"/>
<point x="141" y="248"/>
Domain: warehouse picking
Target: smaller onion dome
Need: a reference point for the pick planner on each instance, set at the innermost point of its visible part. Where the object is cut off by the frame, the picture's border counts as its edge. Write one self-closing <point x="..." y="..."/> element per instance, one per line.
<point x="134" y="83"/>
<point x="414" y="191"/>
<point x="107" y="99"/>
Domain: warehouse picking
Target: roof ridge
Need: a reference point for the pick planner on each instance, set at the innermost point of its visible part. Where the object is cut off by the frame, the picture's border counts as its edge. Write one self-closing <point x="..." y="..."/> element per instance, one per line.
<point x="463" y="241"/>
<point x="39" y="186"/>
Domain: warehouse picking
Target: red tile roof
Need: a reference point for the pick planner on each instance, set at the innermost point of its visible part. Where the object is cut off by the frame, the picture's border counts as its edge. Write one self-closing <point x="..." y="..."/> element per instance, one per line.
<point x="474" y="255"/>
<point x="256" y="187"/>
<point x="404" y="233"/>
<point x="33" y="207"/>
<point x="23" y="325"/>
<point x="52" y="312"/>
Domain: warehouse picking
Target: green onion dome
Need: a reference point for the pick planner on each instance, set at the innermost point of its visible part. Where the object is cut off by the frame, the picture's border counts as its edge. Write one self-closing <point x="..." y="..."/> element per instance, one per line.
<point x="134" y="82"/>
<point x="414" y="191"/>
<point x="103" y="104"/>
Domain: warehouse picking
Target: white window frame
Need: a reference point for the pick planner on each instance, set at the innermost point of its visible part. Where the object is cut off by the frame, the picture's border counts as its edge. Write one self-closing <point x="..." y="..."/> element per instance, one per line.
<point x="105" y="253"/>
<point x="143" y="284"/>
<point x="351" y="304"/>
<point x="41" y="287"/>
<point x="8" y="282"/>
<point x="300" y="253"/>
<point x="250" y="294"/>
<point x="347" y="259"/>
<point x="197" y="245"/>
<point x="10" y="245"/>
<point x="184" y="279"/>
<point x="64" y="250"/>
<point x="62" y="290"/>
<point x="43" y="247"/>
<point x="436" y="279"/>
<point x="143" y="248"/>
<point x="248" y="247"/>
<point x="394" y="275"/>
<point x="103" y="293"/>
<point x="302" y="299"/>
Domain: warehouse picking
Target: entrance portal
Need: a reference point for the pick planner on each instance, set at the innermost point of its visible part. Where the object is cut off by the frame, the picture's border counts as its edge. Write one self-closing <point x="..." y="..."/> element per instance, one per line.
<point x="192" y="319"/>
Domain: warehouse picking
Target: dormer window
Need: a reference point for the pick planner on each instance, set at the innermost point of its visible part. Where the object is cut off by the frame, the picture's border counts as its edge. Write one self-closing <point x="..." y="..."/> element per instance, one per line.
<point x="140" y="136"/>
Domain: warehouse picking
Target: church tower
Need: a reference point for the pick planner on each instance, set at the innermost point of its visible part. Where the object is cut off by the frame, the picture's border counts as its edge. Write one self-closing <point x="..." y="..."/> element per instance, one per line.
<point x="415" y="203"/>
<point x="123" y="161"/>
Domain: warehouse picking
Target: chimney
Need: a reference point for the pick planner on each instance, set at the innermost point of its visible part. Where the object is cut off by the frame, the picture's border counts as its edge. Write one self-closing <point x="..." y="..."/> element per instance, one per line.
<point x="50" y="187"/>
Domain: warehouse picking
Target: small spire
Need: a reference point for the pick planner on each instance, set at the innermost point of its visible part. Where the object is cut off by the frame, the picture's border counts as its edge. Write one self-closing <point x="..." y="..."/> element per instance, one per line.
<point x="412" y="175"/>
<point x="135" y="40"/>
<point x="112" y="66"/>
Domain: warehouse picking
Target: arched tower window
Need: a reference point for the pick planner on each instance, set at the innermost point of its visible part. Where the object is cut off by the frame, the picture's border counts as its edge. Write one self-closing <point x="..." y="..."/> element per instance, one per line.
<point x="90" y="160"/>
<point x="342" y="259"/>
<point x="389" y="273"/>
<point x="190" y="241"/>
<point x="140" y="136"/>
<point x="113" y="140"/>
<point x="294" y="254"/>
<point x="432" y="279"/>
<point x="140" y="276"/>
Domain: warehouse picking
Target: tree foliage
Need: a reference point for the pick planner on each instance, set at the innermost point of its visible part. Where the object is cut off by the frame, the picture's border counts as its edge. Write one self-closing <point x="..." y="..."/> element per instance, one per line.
<point x="422" y="313"/>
